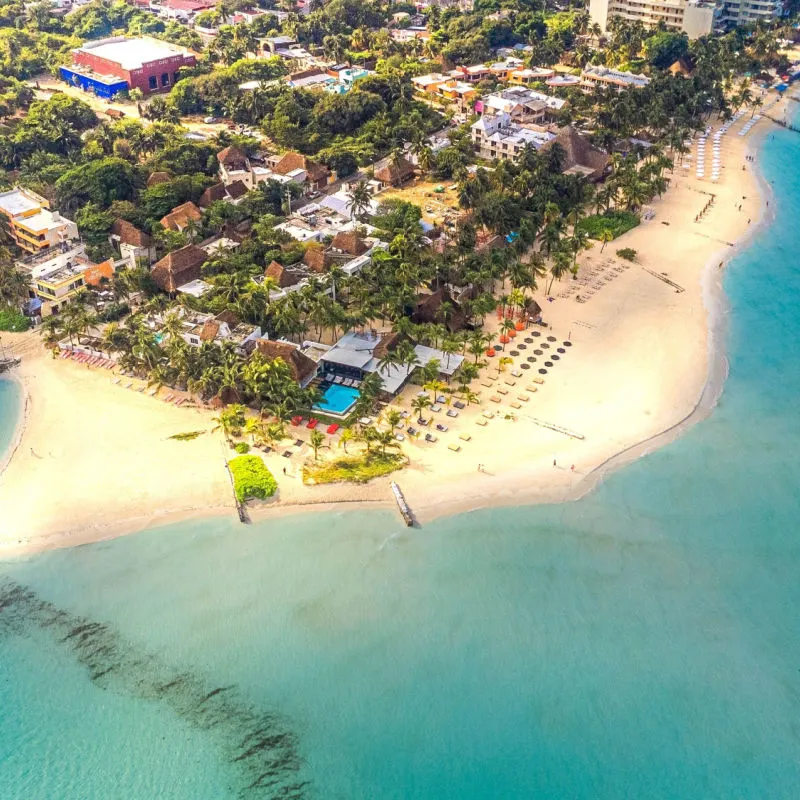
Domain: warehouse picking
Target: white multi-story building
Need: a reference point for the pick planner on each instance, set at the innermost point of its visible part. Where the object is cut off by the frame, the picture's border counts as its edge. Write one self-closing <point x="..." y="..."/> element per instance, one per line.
<point x="740" y="12"/>
<point x="496" y="136"/>
<point x="605" y="76"/>
<point x="694" y="17"/>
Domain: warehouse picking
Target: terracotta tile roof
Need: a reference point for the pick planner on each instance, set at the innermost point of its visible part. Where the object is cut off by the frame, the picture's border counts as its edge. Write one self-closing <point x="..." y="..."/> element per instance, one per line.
<point x="292" y="161"/>
<point x="209" y="331"/>
<point x="281" y="275"/>
<point x="579" y="152"/>
<point x="388" y="342"/>
<point x="179" y="267"/>
<point x="429" y="309"/>
<point x="158" y="177"/>
<point x="212" y="194"/>
<point x="229" y="317"/>
<point x="301" y="366"/>
<point x="130" y="234"/>
<point x="232" y="158"/>
<point x="179" y="217"/>
<point x="349" y="242"/>
<point x="317" y="259"/>
<point x="394" y="171"/>
<point x="237" y="189"/>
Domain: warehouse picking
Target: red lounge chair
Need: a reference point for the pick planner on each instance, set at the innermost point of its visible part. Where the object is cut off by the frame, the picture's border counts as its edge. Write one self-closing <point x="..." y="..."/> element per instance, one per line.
<point x="296" y="421"/>
<point x="332" y="428"/>
<point x="312" y="423"/>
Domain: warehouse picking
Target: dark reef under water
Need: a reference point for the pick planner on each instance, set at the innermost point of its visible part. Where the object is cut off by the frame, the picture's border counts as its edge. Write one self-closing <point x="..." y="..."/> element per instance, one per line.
<point x="258" y="746"/>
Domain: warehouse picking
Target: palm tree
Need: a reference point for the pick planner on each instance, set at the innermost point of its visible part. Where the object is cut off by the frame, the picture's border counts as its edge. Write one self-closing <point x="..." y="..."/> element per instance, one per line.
<point x="316" y="441"/>
<point x="346" y="436"/>
<point x="360" y="199"/>
<point x="419" y="404"/>
<point x="605" y="236"/>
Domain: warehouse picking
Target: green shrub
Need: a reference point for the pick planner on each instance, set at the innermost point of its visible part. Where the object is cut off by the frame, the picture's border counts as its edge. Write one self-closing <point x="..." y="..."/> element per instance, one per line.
<point x="618" y="222"/>
<point x="13" y="320"/>
<point x="251" y="478"/>
<point x="241" y="447"/>
<point x="113" y="312"/>
<point x="628" y="253"/>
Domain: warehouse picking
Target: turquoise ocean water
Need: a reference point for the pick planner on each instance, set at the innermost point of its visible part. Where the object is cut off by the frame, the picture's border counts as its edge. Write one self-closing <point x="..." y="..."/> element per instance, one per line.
<point x="643" y="642"/>
<point x="10" y="402"/>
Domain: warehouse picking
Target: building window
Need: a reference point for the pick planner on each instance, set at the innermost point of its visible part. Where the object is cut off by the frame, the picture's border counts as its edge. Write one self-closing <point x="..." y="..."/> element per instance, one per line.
<point x="152" y="82"/>
<point x="165" y="78"/>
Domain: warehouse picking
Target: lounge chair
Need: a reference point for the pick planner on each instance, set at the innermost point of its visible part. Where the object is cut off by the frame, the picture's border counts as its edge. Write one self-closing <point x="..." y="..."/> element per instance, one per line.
<point x="399" y="437"/>
<point x="296" y="421"/>
<point x="329" y="377"/>
<point x="337" y="379"/>
<point x="515" y="405"/>
<point x="412" y="431"/>
<point x="116" y="381"/>
<point x="441" y="428"/>
<point x="436" y="408"/>
<point x="501" y="390"/>
<point x="312" y="423"/>
<point x="510" y="383"/>
<point x="454" y="447"/>
<point x="523" y="397"/>
<point x="287" y="453"/>
<point x="487" y="384"/>
<point x="180" y="402"/>
<point x="488" y="414"/>
<point x="129" y="384"/>
<point x="298" y="442"/>
<point x="516" y="373"/>
<point x="404" y="414"/>
<point x="540" y="381"/>
<point x="429" y="437"/>
<point x="452" y="413"/>
<point x="531" y="389"/>
<point x="441" y="399"/>
<point x="495" y="399"/>
<point x="465" y="437"/>
<point x="331" y="429"/>
<point x="482" y="422"/>
<point x="459" y="405"/>
<point x="169" y="398"/>
<point x="423" y="422"/>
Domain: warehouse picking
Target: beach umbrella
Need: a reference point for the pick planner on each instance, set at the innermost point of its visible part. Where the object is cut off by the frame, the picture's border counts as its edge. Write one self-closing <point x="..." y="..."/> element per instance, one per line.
<point x="504" y="339"/>
<point x="490" y="352"/>
<point x="512" y="333"/>
<point x="520" y="326"/>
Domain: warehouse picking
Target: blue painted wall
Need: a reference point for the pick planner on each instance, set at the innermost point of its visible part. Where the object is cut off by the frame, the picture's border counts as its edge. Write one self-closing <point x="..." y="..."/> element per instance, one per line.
<point x="107" y="90"/>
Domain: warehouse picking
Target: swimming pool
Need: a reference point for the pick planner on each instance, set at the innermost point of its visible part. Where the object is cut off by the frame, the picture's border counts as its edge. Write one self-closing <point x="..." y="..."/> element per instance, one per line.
<point x="338" y="399"/>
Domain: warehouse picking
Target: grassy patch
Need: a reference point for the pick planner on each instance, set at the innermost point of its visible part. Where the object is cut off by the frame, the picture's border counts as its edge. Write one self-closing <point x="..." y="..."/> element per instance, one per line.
<point x="251" y="478"/>
<point x="628" y="253"/>
<point x="618" y="222"/>
<point x="13" y="320"/>
<point x="186" y="437"/>
<point x="353" y="469"/>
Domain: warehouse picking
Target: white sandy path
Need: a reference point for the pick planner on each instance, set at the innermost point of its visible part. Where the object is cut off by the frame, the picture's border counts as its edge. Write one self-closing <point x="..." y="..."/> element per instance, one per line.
<point x="637" y="368"/>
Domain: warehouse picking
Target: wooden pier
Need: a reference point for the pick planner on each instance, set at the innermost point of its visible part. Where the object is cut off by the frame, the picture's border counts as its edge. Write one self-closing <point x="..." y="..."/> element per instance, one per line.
<point x="405" y="511"/>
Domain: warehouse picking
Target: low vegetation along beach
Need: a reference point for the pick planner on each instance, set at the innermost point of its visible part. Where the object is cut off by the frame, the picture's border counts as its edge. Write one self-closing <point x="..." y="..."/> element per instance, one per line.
<point x="271" y="314"/>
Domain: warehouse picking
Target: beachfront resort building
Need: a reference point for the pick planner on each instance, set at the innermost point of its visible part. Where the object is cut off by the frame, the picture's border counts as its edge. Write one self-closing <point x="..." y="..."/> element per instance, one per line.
<point x="695" y="18"/>
<point x="742" y="12"/>
<point x="134" y="246"/>
<point x="361" y="353"/>
<point x="605" y="76"/>
<point x="31" y="224"/>
<point x="496" y="136"/>
<point x="521" y="104"/>
<point x="116" y="64"/>
<point x="56" y="275"/>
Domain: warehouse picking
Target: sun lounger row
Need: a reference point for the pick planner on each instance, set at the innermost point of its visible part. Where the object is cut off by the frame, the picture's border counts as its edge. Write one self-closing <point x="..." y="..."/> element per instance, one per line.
<point x="88" y="358"/>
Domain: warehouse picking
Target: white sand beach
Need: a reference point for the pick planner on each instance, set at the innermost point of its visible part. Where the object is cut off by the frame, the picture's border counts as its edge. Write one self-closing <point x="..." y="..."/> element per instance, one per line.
<point x="95" y="460"/>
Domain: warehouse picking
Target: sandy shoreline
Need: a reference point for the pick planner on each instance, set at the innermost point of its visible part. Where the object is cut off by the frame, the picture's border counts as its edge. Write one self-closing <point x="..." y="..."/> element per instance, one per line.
<point x="647" y="364"/>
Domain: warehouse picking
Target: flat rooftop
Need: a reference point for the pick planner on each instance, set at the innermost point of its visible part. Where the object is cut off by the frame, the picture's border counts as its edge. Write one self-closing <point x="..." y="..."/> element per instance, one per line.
<point x="131" y="53"/>
<point x="17" y="202"/>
